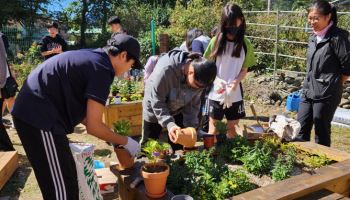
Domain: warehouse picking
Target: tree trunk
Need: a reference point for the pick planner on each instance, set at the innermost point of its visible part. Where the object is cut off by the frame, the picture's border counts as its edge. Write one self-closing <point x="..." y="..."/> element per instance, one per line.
<point x="104" y="18"/>
<point x="83" y="24"/>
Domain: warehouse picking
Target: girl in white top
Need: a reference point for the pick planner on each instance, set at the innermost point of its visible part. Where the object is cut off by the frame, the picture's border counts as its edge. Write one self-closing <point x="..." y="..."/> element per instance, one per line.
<point x="234" y="55"/>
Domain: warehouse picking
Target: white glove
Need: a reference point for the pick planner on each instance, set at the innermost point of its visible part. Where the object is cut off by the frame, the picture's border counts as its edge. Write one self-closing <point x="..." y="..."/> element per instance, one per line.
<point x="132" y="147"/>
<point x="219" y="85"/>
<point x="227" y="98"/>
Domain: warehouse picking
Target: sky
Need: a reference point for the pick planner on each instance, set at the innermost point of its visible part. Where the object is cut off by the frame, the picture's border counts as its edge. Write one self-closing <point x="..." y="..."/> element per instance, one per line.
<point x="59" y="4"/>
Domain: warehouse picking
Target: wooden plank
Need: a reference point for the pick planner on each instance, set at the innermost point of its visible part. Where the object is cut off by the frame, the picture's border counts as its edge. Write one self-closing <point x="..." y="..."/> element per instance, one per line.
<point x="126" y="109"/>
<point x="131" y="111"/>
<point x="331" y="153"/>
<point x="323" y="194"/>
<point x="122" y="110"/>
<point x="135" y="120"/>
<point x="8" y="165"/>
<point x="135" y="130"/>
<point x="303" y="184"/>
<point x="341" y="187"/>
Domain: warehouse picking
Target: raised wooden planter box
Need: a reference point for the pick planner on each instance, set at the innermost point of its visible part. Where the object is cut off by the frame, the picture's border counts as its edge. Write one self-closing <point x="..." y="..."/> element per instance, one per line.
<point x="131" y="111"/>
<point x="335" y="178"/>
<point x="8" y="165"/>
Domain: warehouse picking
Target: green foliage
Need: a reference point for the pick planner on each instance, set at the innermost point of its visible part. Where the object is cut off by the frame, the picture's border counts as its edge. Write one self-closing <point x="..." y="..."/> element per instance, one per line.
<point x="145" y="40"/>
<point x="128" y="90"/>
<point x="180" y="177"/>
<point x="233" y="183"/>
<point x="190" y="15"/>
<point x="122" y="127"/>
<point x="287" y="147"/>
<point x="273" y="141"/>
<point x="155" y="150"/>
<point x="27" y="62"/>
<point x="204" y="176"/>
<point x="284" y="165"/>
<point x="259" y="159"/>
<point x="221" y="127"/>
<point x="26" y="12"/>
<point x="251" y="4"/>
<point x="315" y="161"/>
<point x="232" y="150"/>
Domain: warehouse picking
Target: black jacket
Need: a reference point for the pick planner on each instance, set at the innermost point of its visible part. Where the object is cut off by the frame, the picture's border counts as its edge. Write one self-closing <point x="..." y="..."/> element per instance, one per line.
<point x="326" y="62"/>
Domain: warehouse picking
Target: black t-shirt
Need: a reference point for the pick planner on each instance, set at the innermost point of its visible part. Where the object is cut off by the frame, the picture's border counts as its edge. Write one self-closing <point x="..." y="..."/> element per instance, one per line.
<point x="48" y="43"/>
<point x="54" y="97"/>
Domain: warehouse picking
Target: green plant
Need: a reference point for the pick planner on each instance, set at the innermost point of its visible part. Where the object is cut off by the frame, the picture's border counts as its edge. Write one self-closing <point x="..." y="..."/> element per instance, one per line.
<point x="114" y="89"/>
<point x="284" y="165"/>
<point x="206" y="172"/>
<point x="221" y="127"/>
<point x="233" y="149"/>
<point x="315" y="161"/>
<point x="286" y="147"/>
<point x="155" y="150"/>
<point x="233" y="183"/>
<point x="179" y="177"/>
<point x="121" y="127"/>
<point x="259" y="159"/>
<point x="204" y="176"/>
<point x="129" y="90"/>
<point x="273" y="141"/>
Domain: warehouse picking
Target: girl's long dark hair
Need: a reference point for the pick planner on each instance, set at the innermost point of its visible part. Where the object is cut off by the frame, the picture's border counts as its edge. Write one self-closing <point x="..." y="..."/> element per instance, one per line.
<point x="230" y="13"/>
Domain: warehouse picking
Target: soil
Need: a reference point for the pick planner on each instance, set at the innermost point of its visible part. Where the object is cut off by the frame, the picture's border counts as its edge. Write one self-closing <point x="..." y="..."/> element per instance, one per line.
<point x="154" y="168"/>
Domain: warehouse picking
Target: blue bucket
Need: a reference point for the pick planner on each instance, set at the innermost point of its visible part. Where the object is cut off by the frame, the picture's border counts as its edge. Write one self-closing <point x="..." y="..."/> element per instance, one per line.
<point x="293" y="101"/>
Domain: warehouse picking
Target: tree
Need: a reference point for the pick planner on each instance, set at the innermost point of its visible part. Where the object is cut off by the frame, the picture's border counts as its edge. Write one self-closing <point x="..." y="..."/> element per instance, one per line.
<point x="25" y="11"/>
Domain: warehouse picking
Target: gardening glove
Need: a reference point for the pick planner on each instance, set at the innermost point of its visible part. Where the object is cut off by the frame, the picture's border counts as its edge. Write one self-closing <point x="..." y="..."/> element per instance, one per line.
<point x="219" y="85"/>
<point x="132" y="147"/>
<point x="227" y="102"/>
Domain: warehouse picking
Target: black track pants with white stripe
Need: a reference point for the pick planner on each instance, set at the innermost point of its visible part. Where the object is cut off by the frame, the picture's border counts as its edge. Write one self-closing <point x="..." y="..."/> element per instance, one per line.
<point x="52" y="161"/>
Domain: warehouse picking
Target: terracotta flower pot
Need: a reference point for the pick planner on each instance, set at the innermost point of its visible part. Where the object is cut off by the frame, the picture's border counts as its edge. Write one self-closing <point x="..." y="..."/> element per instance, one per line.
<point x="187" y="137"/>
<point x="124" y="157"/>
<point x="208" y="140"/>
<point x="155" y="180"/>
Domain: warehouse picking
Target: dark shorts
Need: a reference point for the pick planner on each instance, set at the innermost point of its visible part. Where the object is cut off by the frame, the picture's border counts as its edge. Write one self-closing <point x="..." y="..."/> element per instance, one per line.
<point x="235" y="112"/>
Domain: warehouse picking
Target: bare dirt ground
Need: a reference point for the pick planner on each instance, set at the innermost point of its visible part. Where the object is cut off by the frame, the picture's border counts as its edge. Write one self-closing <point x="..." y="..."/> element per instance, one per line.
<point x="23" y="184"/>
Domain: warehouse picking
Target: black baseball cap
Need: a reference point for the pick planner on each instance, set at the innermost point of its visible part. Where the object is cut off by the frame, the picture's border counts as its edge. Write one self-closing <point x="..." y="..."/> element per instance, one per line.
<point x="114" y="20"/>
<point x="127" y="43"/>
<point x="52" y="24"/>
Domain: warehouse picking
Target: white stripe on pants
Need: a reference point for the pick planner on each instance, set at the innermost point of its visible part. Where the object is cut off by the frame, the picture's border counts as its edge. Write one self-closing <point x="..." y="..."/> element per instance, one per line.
<point x="55" y="169"/>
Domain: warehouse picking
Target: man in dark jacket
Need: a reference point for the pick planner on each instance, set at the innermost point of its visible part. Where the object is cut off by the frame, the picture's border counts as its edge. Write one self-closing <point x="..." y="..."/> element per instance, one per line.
<point x="53" y="43"/>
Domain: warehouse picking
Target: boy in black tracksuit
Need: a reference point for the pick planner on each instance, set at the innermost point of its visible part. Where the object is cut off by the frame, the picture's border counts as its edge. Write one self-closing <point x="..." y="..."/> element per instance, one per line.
<point x="63" y="91"/>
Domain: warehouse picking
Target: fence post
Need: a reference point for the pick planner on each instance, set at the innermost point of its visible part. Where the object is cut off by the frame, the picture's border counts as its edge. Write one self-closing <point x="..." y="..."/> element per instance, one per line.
<point x="153" y="30"/>
<point x="276" y="49"/>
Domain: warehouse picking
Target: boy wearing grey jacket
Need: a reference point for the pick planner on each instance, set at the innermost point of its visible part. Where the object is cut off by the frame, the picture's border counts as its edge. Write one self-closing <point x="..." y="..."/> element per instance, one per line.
<point x="172" y="93"/>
